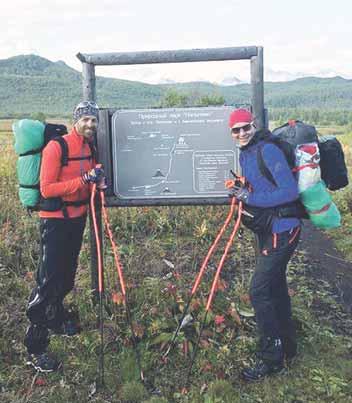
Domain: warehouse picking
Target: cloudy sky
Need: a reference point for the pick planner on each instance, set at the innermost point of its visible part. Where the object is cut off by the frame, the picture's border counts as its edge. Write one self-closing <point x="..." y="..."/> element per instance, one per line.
<point x="301" y="37"/>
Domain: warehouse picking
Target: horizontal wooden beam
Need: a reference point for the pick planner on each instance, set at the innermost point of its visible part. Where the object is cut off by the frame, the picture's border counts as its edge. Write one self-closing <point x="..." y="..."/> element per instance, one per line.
<point x="169" y="56"/>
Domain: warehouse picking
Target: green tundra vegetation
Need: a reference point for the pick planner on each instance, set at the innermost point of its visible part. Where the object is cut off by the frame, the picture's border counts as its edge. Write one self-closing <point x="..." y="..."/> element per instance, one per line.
<point x="161" y="251"/>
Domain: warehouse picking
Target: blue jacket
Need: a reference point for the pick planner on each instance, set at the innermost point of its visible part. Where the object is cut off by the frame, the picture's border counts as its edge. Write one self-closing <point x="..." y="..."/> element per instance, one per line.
<point x="264" y="193"/>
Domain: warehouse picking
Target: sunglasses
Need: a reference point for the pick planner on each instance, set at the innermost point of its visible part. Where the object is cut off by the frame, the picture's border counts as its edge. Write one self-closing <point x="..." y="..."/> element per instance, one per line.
<point x="84" y="104"/>
<point x="246" y="128"/>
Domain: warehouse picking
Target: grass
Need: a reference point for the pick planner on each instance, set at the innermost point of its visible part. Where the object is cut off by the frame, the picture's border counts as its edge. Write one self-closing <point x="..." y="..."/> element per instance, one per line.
<point x="161" y="250"/>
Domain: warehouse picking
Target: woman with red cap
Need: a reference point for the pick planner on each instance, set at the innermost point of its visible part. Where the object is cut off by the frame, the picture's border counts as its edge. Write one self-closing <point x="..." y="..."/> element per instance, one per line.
<point x="273" y="218"/>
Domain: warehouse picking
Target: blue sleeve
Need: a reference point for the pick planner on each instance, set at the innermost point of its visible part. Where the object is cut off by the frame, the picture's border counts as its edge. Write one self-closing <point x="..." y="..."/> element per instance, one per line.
<point x="286" y="189"/>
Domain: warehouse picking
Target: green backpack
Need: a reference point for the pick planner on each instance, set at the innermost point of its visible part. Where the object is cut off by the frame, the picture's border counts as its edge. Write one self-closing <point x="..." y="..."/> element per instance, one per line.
<point x="31" y="136"/>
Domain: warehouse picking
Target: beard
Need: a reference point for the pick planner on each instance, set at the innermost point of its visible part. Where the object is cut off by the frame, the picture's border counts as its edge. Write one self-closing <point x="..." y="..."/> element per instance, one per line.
<point x="86" y="132"/>
<point x="89" y="132"/>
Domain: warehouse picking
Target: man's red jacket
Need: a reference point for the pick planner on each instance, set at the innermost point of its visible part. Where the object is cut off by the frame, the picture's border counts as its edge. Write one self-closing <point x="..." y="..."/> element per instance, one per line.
<point x="65" y="181"/>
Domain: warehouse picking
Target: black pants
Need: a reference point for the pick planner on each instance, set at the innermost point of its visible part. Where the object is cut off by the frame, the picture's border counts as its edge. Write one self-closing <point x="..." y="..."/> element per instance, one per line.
<point x="60" y="244"/>
<point x="268" y="288"/>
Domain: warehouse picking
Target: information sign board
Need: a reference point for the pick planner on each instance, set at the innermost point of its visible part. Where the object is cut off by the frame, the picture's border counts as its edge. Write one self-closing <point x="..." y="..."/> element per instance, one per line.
<point x="174" y="153"/>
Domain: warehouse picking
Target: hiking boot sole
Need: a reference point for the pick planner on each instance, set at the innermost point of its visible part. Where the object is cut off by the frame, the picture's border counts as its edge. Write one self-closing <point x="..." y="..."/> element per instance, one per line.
<point x="41" y="370"/>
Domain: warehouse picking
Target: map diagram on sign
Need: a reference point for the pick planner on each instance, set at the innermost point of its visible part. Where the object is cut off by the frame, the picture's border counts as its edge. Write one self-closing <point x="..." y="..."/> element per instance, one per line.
<point x="165" y="153"/>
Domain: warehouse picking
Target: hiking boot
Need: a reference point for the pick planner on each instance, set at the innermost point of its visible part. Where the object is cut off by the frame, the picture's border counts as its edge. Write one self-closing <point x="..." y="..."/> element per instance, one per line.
<point x="269" y="360"/>
<point x="262" y="369"/>
<point x="43" y="362"/>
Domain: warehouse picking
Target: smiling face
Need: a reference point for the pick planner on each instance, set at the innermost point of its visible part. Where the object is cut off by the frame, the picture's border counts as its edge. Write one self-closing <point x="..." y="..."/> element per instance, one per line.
<point x="87" y="126"/>
<point x="243" y="133"/>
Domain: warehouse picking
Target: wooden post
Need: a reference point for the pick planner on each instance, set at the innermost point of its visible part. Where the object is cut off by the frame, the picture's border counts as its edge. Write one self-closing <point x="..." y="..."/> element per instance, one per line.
<point x="89" y="94"/>
<point x="257" y="84"/>
<point x="104" y="148"/>
<point x="88" y="73"/>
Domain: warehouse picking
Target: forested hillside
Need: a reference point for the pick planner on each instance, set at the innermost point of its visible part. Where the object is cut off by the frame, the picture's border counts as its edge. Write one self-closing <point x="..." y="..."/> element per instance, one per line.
<point x="31" y="84"/>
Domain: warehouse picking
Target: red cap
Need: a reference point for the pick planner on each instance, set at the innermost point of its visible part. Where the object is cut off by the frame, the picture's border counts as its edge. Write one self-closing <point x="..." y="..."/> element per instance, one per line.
<point x="240" y="116"/>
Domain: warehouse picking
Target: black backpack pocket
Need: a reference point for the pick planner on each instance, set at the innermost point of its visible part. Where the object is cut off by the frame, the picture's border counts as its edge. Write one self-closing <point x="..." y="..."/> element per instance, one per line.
<point x="51" y="204"/>
<point x="258" y="219"/>
<point x="332" y="163"/>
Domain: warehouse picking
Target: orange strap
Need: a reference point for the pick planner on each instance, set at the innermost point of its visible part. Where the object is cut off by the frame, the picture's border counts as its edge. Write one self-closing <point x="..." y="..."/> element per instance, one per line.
<point x="97" y="239"/>
<point x="213" y="246"/>
<point x="324" y="208"/>
<point x="311" y="165"/>
<point x="274" y="240"/>
<point x="228" y="245"/>
<point x="294" y="235"/>
<point x="114" y="247"/>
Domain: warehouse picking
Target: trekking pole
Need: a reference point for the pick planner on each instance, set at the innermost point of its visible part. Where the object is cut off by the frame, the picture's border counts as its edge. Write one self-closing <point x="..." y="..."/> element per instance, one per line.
<point x="199" y="277"/>
<point x="212" y="292"/>
<point x="100" y="284"/>
<point x="122" y="285"/>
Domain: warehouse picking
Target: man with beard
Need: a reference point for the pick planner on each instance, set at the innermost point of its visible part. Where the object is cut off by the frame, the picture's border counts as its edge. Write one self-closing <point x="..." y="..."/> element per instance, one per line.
<point x="67" y="170"/>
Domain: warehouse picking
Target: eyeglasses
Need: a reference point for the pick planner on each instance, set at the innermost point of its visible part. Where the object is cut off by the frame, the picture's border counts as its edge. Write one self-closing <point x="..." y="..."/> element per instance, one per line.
<point x="246" y="128"/>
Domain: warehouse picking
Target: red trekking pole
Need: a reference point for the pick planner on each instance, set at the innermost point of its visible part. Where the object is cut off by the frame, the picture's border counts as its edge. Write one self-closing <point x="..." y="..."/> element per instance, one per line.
<point x="181" y="323"/>
<point x="100" y="283"/>
<point x="212" y="292"/>
<point x="122" y="285"/>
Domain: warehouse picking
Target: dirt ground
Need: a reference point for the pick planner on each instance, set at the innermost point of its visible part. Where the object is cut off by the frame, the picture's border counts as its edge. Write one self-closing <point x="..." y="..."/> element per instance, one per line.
<point x="327" y="263"/>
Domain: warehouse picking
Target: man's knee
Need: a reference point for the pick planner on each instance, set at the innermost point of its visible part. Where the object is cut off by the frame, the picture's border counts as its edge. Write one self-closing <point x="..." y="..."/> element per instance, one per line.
<point x="44" y="311"/>
<point x="36" y="307"/>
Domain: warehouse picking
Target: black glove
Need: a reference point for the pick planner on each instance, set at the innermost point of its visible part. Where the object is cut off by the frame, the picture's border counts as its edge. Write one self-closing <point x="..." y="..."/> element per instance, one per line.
<point x="240" y="192"/>
<point x="95" y="175"/>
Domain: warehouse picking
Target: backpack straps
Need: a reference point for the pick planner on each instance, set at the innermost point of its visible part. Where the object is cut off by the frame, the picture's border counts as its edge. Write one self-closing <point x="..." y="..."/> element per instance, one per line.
<point x="287" y="151"/>
<point x="292" y="209"/>
<point x="64" y="152"/>
<point x="264" y="170"/>
<point x="29" y="186"/>
<point x="93" y="150"/>
<point x="32" y="152"/>
<point x="64" y="149"/>
<point x="56" y="203"/>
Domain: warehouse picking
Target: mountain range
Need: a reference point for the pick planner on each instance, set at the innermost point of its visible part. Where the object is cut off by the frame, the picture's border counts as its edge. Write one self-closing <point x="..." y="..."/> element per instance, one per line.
<point x="30" y="84"/>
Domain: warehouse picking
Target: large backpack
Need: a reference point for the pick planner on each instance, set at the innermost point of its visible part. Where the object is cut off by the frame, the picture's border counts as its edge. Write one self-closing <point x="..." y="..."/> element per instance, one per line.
<point x="293" y="209"/>
<point x="293" y="138"/>
<point x="31" y="137"/>
<point x="332" y="160"/>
